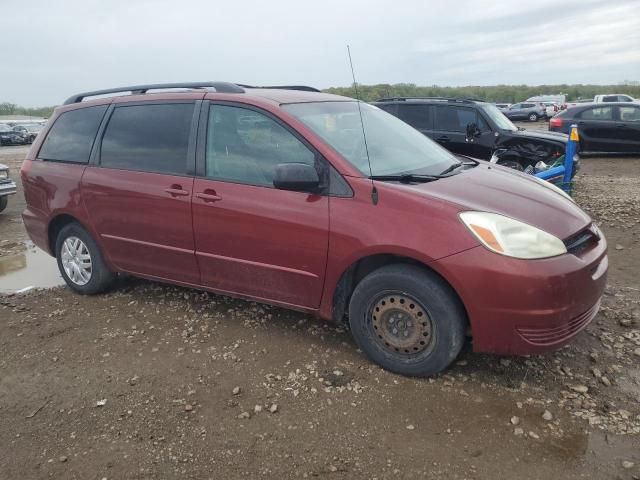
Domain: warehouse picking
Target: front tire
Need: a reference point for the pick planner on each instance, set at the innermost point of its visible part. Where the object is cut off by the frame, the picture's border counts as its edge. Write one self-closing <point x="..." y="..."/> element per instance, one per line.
<point x="80" y="261"/>
<point x="407" y="320"/>
<point x="4" y="201"/>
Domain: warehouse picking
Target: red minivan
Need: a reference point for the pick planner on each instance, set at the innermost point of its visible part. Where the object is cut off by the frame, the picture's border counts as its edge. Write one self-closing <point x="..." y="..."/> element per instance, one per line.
<point x="317" y="203"/>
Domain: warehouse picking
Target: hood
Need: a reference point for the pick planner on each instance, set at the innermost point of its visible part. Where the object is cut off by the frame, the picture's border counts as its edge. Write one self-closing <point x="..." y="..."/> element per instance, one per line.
<point x="555" y="137"/>
<point x="491" y="188"/>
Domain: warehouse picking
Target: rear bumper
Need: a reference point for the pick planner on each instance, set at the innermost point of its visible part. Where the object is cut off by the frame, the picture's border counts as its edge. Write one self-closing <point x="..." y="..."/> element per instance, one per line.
<point x="37" y="228"/>
<point x="8" y="188"/>
<point x="522" y="307"/>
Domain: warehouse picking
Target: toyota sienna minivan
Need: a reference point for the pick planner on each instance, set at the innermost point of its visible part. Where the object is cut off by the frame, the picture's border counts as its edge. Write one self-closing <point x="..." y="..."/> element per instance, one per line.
<point x="317" y="203"/>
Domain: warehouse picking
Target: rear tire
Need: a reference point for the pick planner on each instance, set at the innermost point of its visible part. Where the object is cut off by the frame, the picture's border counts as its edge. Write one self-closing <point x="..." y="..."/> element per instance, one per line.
<point x="80" y="261"/>
<point x="407" y="320"/>
<point x="4" y="201"/>
<point x="533" y="117"/>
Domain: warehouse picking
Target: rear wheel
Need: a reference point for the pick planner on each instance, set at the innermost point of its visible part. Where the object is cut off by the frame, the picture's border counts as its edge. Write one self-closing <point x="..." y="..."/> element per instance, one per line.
<point x="4" y="200"/>
<point x="533" y="117"/>
<point x="407" y="320"/>
<point x="80" y="261"/>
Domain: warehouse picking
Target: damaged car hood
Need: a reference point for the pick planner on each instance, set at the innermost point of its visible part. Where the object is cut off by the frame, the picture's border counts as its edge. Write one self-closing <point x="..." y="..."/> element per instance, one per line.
<point x="542" y="135"/>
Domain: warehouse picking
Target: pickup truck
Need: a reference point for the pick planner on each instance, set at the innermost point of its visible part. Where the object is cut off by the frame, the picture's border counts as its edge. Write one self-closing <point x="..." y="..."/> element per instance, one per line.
<point x="614" y="97"/>
<point x="7" y="186"/>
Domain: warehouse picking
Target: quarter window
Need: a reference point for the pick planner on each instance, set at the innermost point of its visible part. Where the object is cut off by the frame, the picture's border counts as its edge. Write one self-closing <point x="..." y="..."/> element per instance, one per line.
<point x="148" y="138"/>
<point x="245" y="146"/>
<point x="600" y="113"/>
<point x="72" y="135"/>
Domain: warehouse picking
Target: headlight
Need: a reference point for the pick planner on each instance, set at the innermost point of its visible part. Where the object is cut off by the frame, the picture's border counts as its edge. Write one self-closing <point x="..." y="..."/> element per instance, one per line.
<point x="555" y="189"/>
<point x="510" y="237"/>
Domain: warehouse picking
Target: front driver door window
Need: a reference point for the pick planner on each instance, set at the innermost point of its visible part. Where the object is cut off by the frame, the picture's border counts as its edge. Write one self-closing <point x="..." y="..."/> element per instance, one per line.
<point x="251" y="238"/>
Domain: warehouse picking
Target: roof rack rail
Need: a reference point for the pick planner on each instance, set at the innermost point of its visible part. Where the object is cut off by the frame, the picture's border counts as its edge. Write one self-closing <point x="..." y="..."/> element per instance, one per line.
<point x="221" y="87"/>
<point x="302" y="88"/>
<point x="447" y="99"/>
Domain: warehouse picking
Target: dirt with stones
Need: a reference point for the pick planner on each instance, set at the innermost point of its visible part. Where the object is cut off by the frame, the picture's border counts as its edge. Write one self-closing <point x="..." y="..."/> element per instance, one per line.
<point x="154" y="381"/>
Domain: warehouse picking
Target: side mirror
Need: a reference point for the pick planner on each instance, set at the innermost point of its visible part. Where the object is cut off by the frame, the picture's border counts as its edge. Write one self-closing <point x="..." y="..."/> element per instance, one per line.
<point x="473" y="131"/>
<point x="297" y="177"/>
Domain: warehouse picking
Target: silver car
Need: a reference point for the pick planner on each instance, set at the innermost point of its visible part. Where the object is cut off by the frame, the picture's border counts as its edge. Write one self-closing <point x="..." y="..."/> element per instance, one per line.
<point x="525" y="111"/>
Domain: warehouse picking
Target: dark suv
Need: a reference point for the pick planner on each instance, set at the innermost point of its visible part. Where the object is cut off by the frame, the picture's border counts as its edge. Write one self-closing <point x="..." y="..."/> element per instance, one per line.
<point x="476" y="129"/>
<point x="272" y="194"/>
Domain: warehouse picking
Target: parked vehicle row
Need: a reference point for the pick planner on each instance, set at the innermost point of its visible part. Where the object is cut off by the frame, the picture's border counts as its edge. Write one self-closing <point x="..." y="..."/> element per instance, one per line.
<point x="19" y="134"/>
<point x="323" y="204"/>
<point x="476" y="129"/>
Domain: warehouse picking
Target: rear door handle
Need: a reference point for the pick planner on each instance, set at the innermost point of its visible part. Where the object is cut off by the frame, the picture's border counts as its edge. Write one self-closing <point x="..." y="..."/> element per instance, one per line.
<point x="208" y="195"/>
<point x="622" y="126"/>
<point x="444" y="138"/>
<point x="176" y="191"/>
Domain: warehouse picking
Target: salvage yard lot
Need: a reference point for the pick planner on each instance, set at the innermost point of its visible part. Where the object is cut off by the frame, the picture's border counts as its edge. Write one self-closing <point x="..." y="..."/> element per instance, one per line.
<point x="155" y="381"/>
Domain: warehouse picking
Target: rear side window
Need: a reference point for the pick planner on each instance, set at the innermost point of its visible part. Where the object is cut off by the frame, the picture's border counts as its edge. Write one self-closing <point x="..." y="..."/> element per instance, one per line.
<point x="418" y="116"/>
<point x="600" y="113"/>
<point x="148" y="138"/>
<point x="72" y="135"/>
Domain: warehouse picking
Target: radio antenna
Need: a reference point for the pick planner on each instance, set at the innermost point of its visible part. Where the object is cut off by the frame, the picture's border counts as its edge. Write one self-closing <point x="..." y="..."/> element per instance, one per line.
<point x="374" y="191"/>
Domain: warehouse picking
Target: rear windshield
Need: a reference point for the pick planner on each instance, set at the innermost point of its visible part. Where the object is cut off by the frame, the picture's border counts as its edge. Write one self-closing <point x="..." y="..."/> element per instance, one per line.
<point x="72" y="135"/>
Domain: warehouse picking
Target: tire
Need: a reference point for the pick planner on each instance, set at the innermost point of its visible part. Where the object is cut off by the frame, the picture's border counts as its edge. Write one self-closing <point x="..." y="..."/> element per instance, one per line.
<point x="407" y="320"/>
<point x="72" y="245"/>
<point x="533" y="117"/>
<point x="4" y="200"/>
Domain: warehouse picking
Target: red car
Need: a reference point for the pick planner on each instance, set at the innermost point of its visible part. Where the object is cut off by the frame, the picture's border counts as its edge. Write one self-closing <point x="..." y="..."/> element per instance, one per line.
<point x="317" y="203"/>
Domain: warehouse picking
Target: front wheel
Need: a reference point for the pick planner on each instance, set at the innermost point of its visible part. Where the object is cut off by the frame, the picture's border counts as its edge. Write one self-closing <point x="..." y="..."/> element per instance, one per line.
<point x="4" y="200"/>
<point x="533" y="117"/>
<point x="407" y="320"/>
<point x="80" y="261"/>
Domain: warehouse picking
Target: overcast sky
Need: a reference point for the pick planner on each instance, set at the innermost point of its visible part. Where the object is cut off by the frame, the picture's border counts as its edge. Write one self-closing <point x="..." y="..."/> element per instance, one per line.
<point x="53" y="49"/>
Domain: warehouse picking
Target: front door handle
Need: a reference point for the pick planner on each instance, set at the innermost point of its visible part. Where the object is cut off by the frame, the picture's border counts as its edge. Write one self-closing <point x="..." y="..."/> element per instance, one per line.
<point x="208" y="195"/>
<point x="622" y="125"/>
<point x="444" y="138"/>
<point x="176" y="191"/>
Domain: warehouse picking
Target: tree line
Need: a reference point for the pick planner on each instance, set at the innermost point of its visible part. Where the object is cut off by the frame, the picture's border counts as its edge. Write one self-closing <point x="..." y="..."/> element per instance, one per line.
<point x="7" y="108"/>
<point x="369" y="93"/>
<point x="494" y="93"/>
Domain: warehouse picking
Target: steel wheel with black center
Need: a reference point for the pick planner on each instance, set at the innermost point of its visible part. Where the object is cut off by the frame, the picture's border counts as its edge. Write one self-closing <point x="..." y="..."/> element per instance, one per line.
<point x="408" y="320"/>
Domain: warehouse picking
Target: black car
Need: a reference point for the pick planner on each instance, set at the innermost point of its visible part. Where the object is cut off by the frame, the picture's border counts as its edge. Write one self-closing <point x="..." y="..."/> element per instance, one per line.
<point x="610" y="127"/>
<point x="476" y="129"/>
<point x="10" y="137"/>
<point x="29" y="132"/>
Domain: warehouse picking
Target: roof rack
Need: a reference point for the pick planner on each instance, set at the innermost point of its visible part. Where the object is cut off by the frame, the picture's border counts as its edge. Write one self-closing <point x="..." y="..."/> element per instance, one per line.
<point x="302" y="88"/>
<point x="221" y="87"/>
<point x="444" y="99"/>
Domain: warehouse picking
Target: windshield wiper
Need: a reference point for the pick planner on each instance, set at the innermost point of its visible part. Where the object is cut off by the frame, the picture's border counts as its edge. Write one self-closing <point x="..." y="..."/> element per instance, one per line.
<point x="406" y="178"/>
<point x="451" y="168"/>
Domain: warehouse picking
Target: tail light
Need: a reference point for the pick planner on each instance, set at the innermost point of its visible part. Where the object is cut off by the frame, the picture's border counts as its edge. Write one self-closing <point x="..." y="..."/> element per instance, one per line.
<point x="555" y="122"/>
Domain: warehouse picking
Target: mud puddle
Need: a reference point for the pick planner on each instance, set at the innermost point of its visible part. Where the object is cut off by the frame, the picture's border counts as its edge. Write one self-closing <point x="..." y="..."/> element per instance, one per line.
<point x="27" y="270"/>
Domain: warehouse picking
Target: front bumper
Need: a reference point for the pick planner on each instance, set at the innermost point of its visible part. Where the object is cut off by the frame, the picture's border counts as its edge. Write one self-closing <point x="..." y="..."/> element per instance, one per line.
<point x="522" y="307"/>
<point x="8" y="188"/>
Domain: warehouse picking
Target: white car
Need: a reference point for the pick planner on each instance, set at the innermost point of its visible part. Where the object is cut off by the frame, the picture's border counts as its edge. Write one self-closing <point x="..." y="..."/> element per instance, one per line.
<point x="550" y="108"/>
<point x="614" y="97"/>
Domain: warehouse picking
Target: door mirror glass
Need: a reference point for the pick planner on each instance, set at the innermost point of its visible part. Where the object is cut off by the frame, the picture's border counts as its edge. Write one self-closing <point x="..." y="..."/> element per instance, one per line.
<point x="297" y="177"/>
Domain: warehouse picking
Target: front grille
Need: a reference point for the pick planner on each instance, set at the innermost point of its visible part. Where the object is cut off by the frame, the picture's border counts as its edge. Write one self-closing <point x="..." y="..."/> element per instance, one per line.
<point x="581" y="241"/>
<point x="543" y="336"/>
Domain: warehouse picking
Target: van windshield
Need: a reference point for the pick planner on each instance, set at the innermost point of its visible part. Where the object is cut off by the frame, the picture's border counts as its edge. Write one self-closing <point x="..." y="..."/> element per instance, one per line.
<point x="394" y="147"/>
<point x="502" y="122"/>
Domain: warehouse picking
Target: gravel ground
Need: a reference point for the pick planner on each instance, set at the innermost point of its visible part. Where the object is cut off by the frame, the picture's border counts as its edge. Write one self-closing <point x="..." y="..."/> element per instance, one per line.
<point x="154" y="381"/>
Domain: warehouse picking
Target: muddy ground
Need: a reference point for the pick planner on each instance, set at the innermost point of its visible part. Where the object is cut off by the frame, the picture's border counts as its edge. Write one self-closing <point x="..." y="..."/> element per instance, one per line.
<point x="153" y="381"/>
